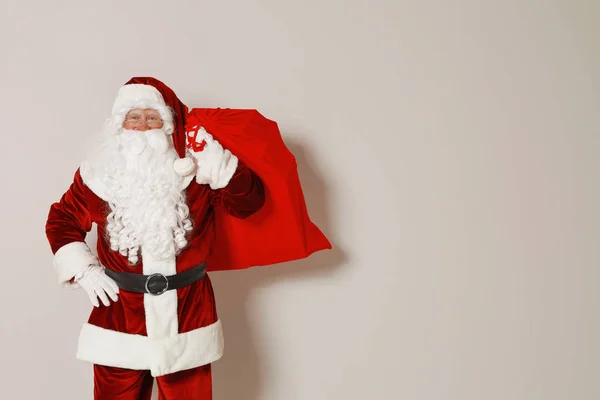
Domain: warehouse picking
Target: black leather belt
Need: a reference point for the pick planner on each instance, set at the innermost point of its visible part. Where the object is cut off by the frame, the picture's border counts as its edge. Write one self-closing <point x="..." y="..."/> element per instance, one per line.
<point x="156" y="284"/>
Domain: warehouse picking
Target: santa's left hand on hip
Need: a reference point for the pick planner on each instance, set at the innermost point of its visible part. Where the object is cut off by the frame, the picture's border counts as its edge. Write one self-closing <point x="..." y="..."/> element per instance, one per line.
<point x="98" y="285"/>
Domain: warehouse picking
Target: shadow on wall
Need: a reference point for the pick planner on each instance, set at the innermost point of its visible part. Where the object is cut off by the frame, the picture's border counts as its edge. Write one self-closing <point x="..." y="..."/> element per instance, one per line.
<point x="241" y="374"/>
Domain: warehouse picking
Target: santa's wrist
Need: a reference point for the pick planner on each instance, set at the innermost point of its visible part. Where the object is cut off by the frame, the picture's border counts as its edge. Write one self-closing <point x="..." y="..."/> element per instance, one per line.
<point x="83" y="273"/>
<point x="226" y="171"/>
<point x="73" y="260"/>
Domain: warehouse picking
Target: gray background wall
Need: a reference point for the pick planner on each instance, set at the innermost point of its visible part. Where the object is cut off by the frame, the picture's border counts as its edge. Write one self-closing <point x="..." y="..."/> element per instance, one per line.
<point x="448" y="149"/>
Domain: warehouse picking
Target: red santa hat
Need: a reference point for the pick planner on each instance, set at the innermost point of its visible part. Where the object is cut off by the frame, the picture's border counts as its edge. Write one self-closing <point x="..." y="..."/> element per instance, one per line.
<point x="148" y="92"/>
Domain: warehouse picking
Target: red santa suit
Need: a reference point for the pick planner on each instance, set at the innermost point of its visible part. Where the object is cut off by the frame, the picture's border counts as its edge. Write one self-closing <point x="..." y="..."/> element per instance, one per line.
<point x="176" y="335"/>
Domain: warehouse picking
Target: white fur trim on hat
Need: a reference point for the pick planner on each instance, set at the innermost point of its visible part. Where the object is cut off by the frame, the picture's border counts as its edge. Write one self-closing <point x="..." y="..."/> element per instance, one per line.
<point x="137" y="95"/>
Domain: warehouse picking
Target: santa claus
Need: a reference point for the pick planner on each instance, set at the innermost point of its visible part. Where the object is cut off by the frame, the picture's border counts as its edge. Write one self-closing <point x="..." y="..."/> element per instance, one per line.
<point x="160" y="195"/>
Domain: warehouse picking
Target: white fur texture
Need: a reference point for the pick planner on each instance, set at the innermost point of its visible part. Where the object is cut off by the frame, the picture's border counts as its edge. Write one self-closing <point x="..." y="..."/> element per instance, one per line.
<point x="97" y="186"/>
<point x="72" y="259"/>
<point x="161" y="356"/>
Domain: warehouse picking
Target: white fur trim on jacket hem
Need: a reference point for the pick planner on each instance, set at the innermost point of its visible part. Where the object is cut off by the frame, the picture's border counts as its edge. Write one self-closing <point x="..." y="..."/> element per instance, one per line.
<point x="161" y="356"/>
<point x="72" y="259"/>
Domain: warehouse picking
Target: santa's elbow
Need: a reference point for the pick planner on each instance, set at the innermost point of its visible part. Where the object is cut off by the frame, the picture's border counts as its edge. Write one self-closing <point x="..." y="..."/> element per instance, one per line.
<point x="248" y="212"/>
<point x="245" y="214"/>
<point x="259" y="205"/>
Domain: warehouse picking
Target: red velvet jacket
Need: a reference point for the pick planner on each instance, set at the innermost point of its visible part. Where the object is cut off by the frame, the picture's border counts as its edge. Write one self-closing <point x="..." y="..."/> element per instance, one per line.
<point x="180" y="328"/>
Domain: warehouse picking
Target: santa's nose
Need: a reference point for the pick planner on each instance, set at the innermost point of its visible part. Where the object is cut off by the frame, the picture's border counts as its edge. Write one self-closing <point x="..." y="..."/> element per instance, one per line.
<point x="143" y="127"/>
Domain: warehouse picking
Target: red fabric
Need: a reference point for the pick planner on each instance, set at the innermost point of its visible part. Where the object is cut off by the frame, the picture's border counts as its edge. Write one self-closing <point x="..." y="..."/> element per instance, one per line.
<point x="281" y="230"/>
<point x="112" y="383"/>
<point x="68" y="219"/>
<point x="172" y="101"/>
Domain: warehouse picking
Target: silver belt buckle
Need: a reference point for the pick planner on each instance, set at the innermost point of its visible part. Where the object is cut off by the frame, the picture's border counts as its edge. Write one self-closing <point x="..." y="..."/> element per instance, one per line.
<point x="148" y="282"/>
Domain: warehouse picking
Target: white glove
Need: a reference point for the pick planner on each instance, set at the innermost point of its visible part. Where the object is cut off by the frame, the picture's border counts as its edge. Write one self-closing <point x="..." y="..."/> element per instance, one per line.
<point x="97" y="284"/>
<point x="216" y="165"/>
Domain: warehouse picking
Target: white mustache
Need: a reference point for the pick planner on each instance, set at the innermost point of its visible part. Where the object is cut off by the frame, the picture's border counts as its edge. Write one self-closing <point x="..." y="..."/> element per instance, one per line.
<point x="157" y="140"/>
<point x="135" y="142"/>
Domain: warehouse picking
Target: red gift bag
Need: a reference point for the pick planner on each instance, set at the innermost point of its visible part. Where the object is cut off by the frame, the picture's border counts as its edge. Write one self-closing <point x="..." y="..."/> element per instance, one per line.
<point x="282" y="230"/>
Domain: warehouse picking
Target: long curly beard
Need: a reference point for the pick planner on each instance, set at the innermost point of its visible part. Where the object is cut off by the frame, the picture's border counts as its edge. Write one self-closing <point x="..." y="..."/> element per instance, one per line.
<point x="148" y="211"/>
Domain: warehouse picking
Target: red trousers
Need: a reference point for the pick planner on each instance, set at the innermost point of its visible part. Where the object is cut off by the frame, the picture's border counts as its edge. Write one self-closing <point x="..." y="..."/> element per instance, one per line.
<point x="112" y="383"/>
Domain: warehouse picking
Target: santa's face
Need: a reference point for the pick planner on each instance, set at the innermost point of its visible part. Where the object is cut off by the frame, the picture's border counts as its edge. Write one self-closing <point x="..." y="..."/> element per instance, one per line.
<point x="143" y="119"/>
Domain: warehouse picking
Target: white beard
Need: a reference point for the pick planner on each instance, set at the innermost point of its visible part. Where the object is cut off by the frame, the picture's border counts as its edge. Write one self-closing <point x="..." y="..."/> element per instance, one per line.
<point x="145" y="194"/>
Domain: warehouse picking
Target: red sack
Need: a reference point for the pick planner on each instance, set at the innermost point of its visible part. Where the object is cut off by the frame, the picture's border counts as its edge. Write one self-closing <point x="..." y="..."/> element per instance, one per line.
<point x="281" y="231"/>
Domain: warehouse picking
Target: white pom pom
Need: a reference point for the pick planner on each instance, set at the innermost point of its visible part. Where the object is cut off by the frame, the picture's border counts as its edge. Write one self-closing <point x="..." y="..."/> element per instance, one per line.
<point x="184" y="166"/>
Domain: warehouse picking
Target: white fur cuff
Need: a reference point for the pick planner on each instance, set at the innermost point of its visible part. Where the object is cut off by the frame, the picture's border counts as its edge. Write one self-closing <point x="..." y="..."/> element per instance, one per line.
<point x="72" y="259"/>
